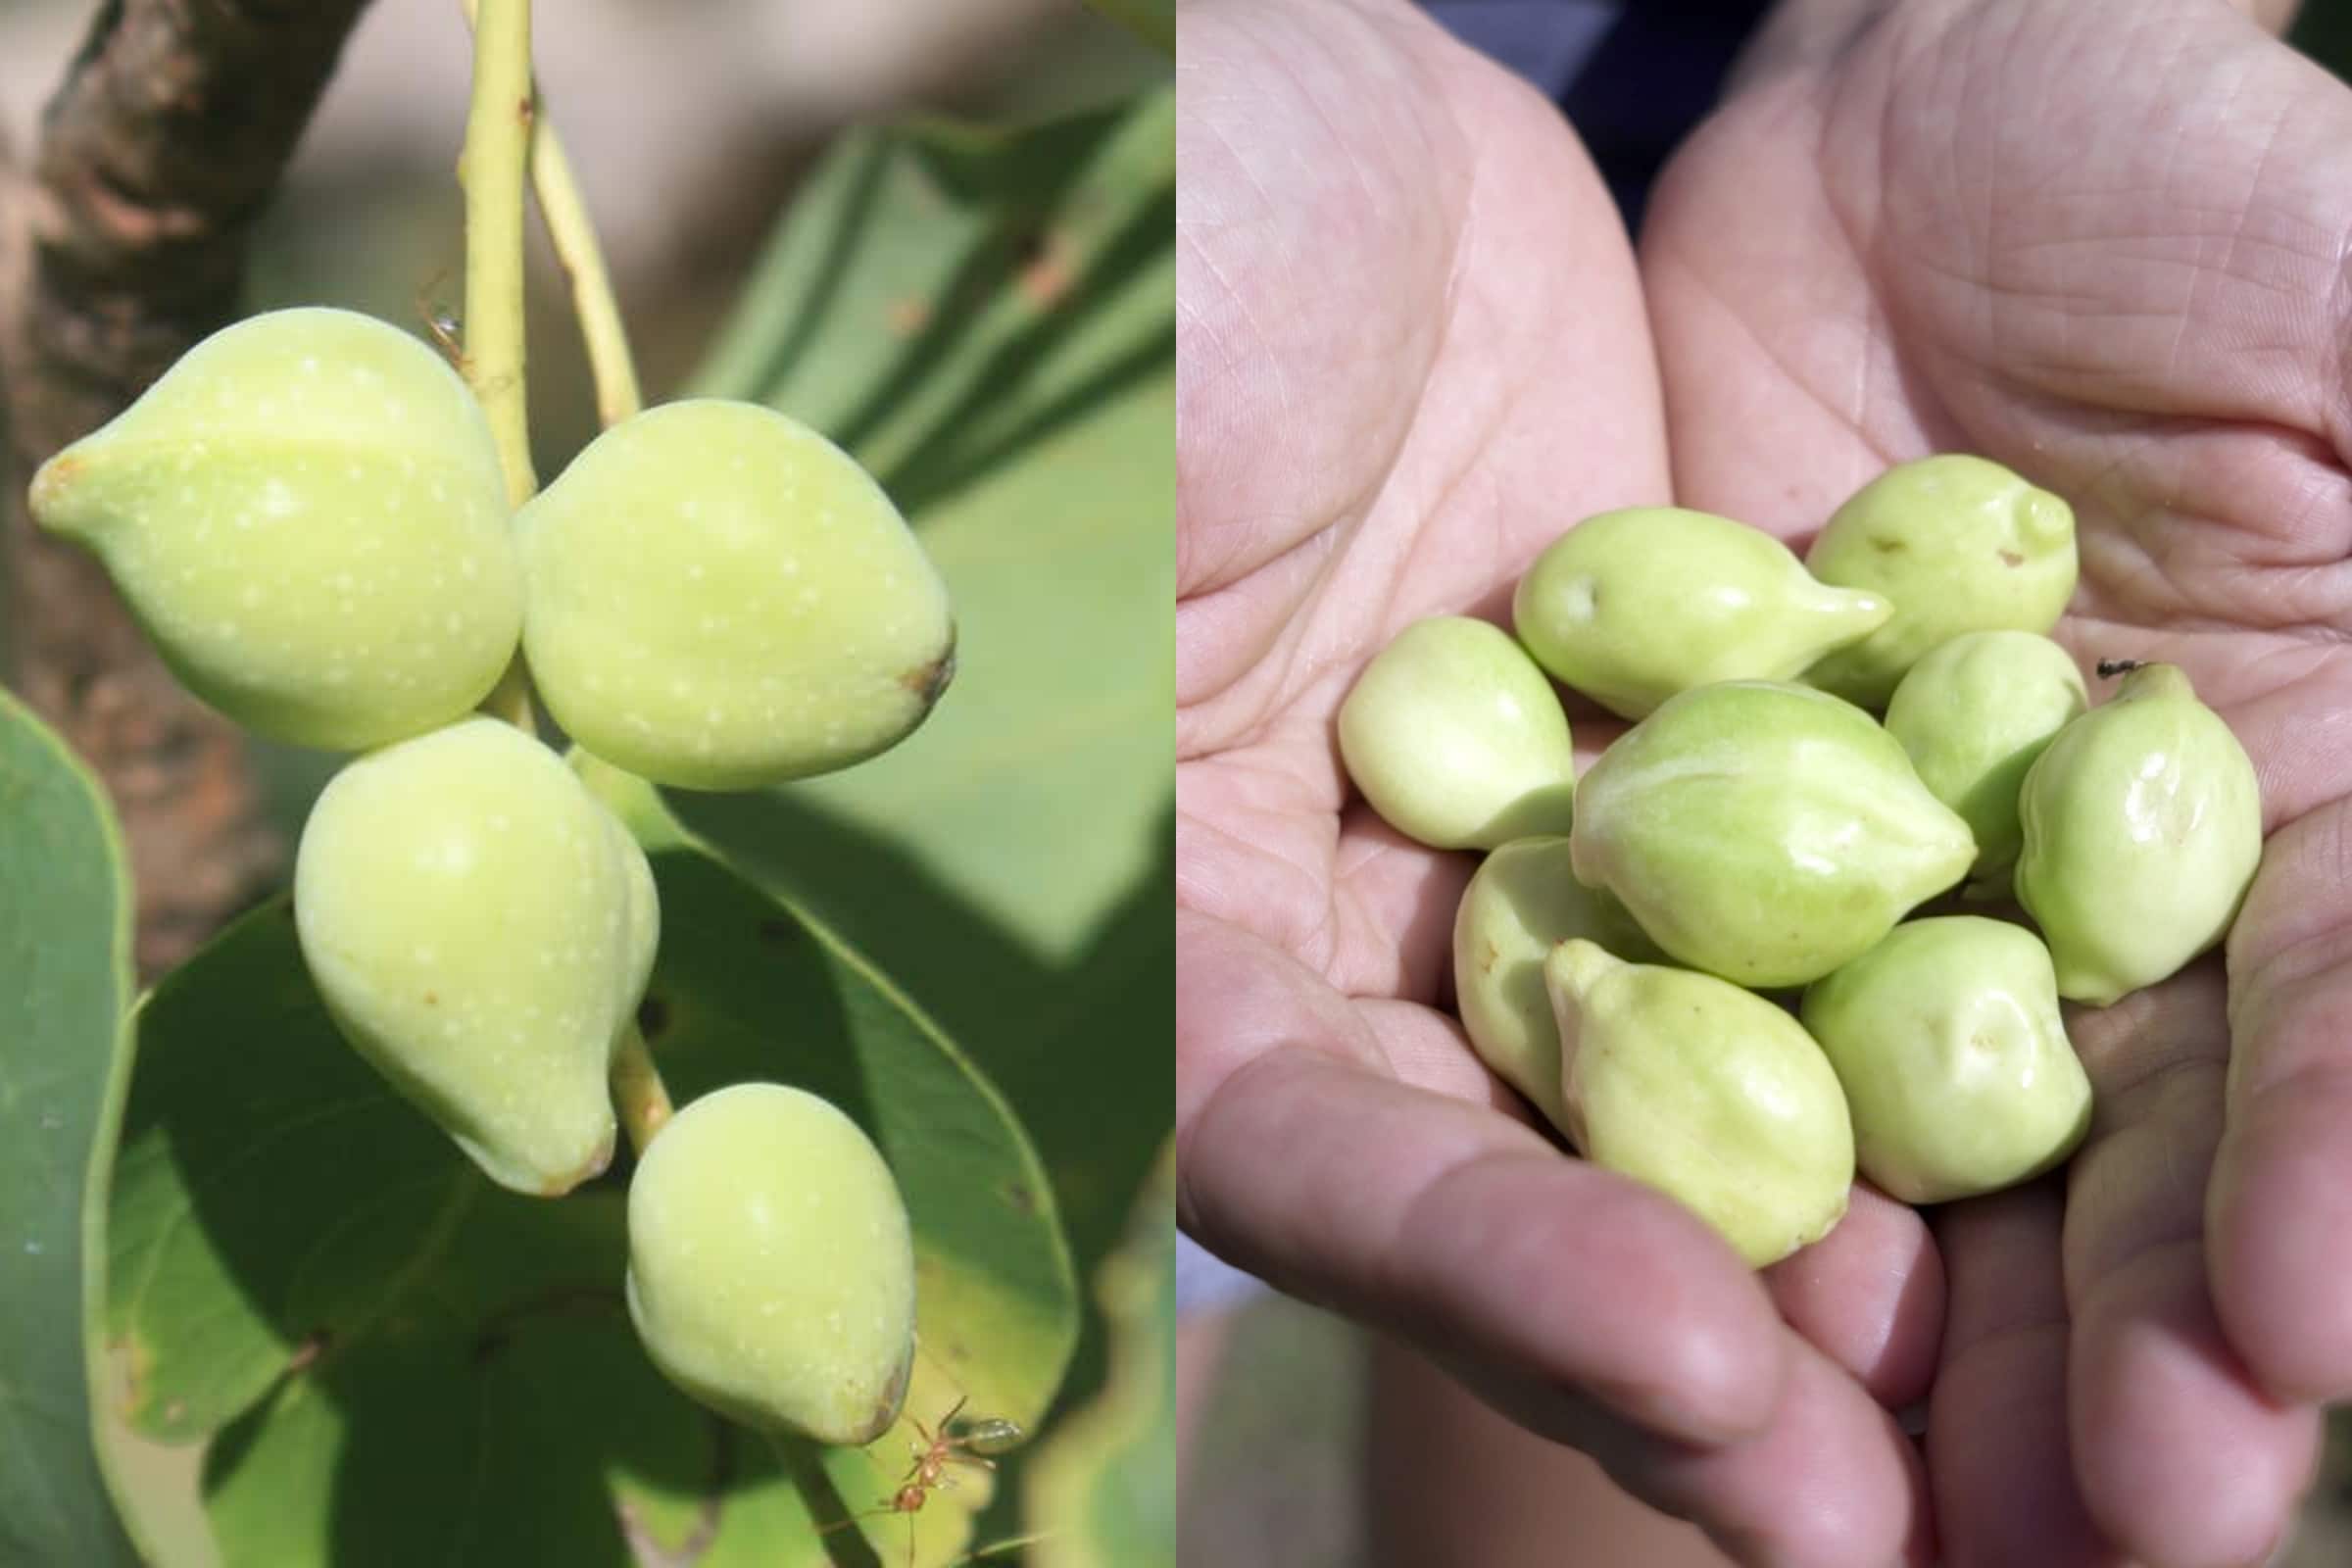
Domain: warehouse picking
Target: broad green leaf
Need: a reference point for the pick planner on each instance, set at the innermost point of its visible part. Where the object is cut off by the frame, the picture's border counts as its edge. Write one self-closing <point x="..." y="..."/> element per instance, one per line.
<point x="940" y="297"/>
<point x="1103" y="1491"/>
<point x="988" y="320"/>
<point x="405" y="1364"/>
<point x="514" y="1405"/>
<point x="64" y="984"/>
<point x="1151" y="20"/>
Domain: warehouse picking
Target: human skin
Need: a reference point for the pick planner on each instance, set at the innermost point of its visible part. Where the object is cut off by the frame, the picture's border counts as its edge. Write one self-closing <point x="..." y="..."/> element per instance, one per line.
<point x="1411" y="349"/>
<point x="2101" y="242"/>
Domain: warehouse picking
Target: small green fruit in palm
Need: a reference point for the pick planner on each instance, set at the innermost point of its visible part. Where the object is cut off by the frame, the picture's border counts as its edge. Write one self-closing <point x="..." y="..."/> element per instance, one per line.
<point x="1764" y="832"/>
<point x="771" y="1266"/>
<point x="719" y="597"/>
<point x="1631" y="607"/>
<point x="2143" y="832"/>
<point x="1708" y="1093"/>
<point x="481" y="930"/>
<point x="1457" y="740"/>
<point x="1522" y="903"/>
<point x="306" y="515"/>
<point x="1947" y="1039"/>
<point x="1959" y="544"/>
<point x="1973" y="715"/>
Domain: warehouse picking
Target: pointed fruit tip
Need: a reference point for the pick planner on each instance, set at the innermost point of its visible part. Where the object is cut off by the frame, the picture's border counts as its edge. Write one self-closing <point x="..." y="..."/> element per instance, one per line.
<point x="2043" y="518"/>
<point x="2156" y="681"/>
<point x="1576" y="965"/>
<point x="52" y="484"/>
<point x="597" y="1161"/>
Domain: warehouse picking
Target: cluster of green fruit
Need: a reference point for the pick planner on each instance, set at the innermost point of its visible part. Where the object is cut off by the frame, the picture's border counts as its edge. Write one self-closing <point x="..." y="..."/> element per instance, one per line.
<point x="1696" y="961"/>
<point x="308" y="516"/>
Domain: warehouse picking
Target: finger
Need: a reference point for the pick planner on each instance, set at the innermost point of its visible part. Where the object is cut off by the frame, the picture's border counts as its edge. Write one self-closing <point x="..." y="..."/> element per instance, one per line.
<point x="1448" y="1480"/>
<point x="1997" y="1450"/>
<point x="1299" y="1159"/>
<point x="2281" y="1206"/>
<point x="2181" y="1458"/>
<point x="1870" y="1297"/>
<point x="1830" y="1482"/>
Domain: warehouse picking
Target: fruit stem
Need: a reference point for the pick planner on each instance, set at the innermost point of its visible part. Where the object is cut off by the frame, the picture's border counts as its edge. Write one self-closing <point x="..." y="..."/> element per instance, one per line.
<point x="498" y="135"/>
<point x="573" y="236"/>
<point x="639" y="1096"/>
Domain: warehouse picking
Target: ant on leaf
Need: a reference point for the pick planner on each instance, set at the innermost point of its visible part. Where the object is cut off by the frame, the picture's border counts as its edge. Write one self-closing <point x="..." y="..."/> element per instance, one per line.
<point x="972" y="1444"/>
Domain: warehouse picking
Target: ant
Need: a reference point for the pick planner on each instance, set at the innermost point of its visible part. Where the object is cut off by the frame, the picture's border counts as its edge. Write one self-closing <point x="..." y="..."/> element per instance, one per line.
<point x="972" y="1446"/>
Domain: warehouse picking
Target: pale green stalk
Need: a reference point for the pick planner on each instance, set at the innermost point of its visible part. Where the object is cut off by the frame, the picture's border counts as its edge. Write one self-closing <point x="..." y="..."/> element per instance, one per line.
<point x="573" y="235"/>
<point x="497" y="136"/>
<point x="639" y="1097"/>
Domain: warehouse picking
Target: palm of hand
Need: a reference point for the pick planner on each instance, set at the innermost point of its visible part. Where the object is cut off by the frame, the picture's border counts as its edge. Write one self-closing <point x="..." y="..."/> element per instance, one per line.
<point x="1412" y="355"/>
<point x="2104" y="243"/>
<point x="1412" y="350"/>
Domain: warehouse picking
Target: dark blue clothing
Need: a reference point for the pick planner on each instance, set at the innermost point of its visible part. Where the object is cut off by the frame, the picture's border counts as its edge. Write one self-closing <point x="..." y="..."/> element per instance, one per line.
<point x="1632" y="75"/>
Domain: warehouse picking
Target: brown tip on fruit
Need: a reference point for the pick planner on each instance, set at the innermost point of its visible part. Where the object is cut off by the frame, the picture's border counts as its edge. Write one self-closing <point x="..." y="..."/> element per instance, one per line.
<point x="930" y="680"/>
<point x="589" y="1170"/>
<point x="885" y="1409"/>
<point x="51" y="481"/>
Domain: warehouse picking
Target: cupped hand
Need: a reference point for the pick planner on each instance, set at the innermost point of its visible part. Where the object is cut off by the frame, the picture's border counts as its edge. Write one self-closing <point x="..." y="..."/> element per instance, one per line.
<point x="2103" y="241"/>
<point x="1411" y="350"/>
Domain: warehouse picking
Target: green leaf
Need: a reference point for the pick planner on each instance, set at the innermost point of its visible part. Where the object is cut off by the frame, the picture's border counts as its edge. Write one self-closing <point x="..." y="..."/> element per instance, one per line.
<point x="405" y="1364"/>
<point x="989" y="321"/>
<point x="1150" y="19"/>
<point x="939" y="297"/>
<point x="1103" y="1490"/>
<point x="64" y="984"/>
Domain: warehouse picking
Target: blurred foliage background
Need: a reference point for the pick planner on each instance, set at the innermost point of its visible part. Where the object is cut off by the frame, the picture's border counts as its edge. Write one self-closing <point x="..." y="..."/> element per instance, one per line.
<point x="978" y="302"/>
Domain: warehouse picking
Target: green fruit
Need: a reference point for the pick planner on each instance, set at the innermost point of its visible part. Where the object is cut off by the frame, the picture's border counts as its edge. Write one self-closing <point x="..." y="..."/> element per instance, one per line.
<point x="481" y="931"/>
<point x="1521" y="905"/>
<point x="306" y="515"/>
<point x="2142" y="830"/>
<point x="771" y="1269"/>
<point x="1955" y="1062"/>
<point x="1631" y="607"/>
<point x="719" y="597"/>
<point x="1764" y="832"/>
<point x="1974" y="714"/>
<point x="1457" y="740"/>
<point x="1959" y="544"/>
<point x="1706" y="1091"/>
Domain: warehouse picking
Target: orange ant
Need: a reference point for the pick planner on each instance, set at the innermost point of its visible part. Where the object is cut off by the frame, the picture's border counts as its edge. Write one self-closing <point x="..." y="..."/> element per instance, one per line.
<point x="972" y="1446"/>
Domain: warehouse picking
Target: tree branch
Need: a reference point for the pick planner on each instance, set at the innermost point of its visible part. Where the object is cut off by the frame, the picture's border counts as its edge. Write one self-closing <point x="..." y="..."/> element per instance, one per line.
<point x="122" y="244"/>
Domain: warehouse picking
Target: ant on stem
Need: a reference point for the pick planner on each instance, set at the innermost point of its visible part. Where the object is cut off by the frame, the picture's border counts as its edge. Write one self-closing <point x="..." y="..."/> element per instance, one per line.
<point x="980" y="1438"/>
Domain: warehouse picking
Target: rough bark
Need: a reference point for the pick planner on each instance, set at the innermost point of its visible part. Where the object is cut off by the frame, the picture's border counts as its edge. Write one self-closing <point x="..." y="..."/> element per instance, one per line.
<point x="121" y="244"/>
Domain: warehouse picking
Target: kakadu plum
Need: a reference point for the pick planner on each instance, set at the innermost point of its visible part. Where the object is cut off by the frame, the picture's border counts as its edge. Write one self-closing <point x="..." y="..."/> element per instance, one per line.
<point x="481" y="930"/>
<point x="2142" y="831"/>
<point x="306" y="515"/>
<point x="1631" y="607"/>
<point x="771" y="1266"/>
<point x="719" y="597"/>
